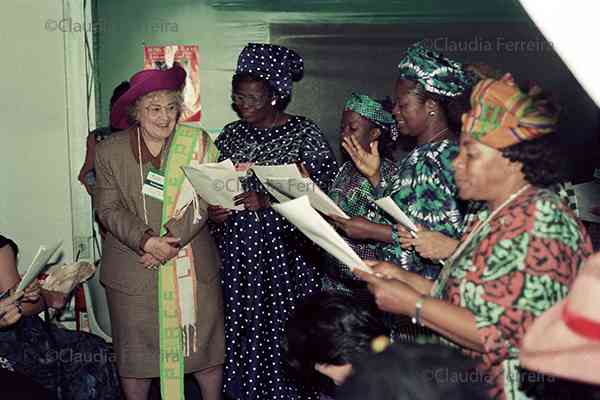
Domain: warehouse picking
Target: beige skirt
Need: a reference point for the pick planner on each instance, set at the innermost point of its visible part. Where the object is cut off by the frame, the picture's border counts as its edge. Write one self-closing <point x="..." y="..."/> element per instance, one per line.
<point x="135" y="330"/>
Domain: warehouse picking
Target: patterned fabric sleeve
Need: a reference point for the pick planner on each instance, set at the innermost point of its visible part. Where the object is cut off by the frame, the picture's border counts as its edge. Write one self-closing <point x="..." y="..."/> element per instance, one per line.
<point x="317" y="156"/>
<point x="427" y="192"/>
<point x="529" y="267"/>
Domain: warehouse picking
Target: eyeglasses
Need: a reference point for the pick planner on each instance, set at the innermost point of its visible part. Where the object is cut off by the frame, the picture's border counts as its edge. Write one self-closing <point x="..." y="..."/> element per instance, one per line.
<point x="250" y="101"/>
<point x="155" y="111"/>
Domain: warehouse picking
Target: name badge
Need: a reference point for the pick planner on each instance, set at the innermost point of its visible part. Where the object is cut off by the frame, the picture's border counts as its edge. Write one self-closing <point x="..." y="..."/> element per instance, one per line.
<point x="154" y="185"/>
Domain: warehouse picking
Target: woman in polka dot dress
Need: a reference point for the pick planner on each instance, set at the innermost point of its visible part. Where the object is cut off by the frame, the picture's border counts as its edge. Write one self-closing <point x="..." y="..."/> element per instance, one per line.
<point x="268" y="266"/>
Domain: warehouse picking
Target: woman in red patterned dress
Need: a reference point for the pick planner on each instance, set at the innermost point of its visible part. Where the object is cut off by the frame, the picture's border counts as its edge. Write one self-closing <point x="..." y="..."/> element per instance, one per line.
<point x="518" y="258"/>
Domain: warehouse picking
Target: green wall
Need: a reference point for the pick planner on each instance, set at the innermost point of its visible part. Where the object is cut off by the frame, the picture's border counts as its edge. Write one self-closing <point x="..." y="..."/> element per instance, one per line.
<point x="222" y="28"/>
<point x="155" y="22"/>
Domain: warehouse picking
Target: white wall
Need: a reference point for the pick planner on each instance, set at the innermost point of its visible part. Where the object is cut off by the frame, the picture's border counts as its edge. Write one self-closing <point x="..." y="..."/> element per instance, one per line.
<point x="37" y="154"/>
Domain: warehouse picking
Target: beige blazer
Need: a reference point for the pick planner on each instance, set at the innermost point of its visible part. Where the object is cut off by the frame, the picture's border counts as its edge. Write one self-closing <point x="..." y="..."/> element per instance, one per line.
<point x="118" y="203"/>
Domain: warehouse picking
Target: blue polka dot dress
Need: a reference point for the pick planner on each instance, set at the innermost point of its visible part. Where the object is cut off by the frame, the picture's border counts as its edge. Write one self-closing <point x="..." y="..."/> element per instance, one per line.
<point x="268" y="265"/>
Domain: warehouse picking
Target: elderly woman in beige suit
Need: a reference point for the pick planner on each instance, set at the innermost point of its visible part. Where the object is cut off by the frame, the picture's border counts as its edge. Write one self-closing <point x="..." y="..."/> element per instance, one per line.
<point x="160" y="265"/>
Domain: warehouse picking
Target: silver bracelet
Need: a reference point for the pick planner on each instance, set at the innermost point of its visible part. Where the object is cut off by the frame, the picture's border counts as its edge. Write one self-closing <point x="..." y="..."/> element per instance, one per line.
<point x="418" y="309"/>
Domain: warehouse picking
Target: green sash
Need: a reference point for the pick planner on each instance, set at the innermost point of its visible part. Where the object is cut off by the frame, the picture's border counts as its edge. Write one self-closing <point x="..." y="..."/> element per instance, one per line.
<point x="181" y="152"/>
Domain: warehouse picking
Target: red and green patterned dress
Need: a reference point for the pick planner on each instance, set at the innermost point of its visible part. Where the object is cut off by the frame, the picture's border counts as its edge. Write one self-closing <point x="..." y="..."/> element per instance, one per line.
<point x="516" y="267"/>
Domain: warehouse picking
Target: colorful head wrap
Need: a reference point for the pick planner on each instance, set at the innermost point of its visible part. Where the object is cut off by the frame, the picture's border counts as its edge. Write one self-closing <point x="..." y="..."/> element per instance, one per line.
<point x="276" y="64"/>
<point x="370" y="109"/>
<point x="438" y="74"/>
<point x="502" y="115"/>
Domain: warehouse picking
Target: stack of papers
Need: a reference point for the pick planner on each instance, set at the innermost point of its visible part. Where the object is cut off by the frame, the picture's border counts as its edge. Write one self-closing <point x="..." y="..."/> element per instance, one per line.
<point x="302" y="215"/>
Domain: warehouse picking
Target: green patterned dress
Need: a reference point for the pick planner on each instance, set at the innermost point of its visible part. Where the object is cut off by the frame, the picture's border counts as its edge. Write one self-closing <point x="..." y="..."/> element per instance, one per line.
<point x="353" y="193"/>
<point x="516" y="267"/>
<point x="424" y="188"/>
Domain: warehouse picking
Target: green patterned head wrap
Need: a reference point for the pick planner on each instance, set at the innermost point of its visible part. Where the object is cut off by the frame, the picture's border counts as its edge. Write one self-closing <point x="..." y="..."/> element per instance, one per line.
<point x="437" y="74"/>
<point x="370" y="109"/>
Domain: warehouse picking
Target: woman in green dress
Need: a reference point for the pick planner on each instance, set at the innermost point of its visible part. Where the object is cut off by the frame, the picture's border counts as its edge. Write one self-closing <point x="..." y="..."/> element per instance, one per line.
<point x="431" y="93"/>
<point x="367" y="121"/>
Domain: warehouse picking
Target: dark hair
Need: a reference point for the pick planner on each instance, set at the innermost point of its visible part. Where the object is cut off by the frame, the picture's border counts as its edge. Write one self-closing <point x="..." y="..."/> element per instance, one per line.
<point x="454" y="107"/>
<point x="4" y="241"/>
<point x="282" y="102"/>
<point x="541" y="159"/>
<point x="415" y="372"/>
<point x="330" y="328"/>
<point x="118" y="92"/>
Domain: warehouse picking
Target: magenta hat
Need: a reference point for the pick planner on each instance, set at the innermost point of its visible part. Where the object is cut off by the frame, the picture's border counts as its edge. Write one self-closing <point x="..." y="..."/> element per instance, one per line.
<point x="141" y="83"/>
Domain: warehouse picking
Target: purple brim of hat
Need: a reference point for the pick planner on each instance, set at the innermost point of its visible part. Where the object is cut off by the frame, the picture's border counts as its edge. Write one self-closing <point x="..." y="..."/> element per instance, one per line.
<point x="144" y="82"/>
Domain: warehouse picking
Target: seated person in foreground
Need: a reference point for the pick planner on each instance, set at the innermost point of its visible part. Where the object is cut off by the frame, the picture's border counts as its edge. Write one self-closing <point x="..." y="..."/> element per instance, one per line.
<point x="329" y="333"/>
<point x="73" y="365"/>
<point x="415" y="372"/>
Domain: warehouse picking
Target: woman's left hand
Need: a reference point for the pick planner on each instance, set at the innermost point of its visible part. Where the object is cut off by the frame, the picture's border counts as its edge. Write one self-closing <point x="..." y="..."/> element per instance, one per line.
<point x="303" y="170"/>
<point x="367" y="162"/>
<point x="252" y="201"/>
<point x="391" y="295"/>
<point x="355" y="227"/>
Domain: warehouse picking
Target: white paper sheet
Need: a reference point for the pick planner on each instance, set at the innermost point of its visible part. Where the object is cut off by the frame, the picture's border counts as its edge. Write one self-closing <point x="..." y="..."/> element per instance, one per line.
<point x="265" y="172"/>
<point x="216" y="183"/>
<point x="37" y="265"/>
<point x="297" y="187"/>
<point x="301" y="214"/>
<point x="276" y="171"/>
<point x="389" y="206"/>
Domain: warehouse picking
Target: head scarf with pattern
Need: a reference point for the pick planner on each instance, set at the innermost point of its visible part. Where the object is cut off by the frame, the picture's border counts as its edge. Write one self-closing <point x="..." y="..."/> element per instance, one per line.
<point x="370" y="109"/>
<point x="502" y="115"/>
<point x="436" y="73"/>
<point x="277" y="65"/>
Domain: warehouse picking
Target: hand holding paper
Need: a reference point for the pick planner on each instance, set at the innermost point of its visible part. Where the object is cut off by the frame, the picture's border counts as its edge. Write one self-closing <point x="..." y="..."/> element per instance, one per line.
<point x="300" y="213"/>
<point x="290" y="181"/>
<point x="267" y="172"/>
<point x="217" y="183"/>
<point x="38" y="263"/>
<point x="389" y="206"/>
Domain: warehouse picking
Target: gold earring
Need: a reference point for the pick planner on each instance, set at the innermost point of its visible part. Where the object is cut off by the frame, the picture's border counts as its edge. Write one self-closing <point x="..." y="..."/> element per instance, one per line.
<point x="431" y="113"/>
